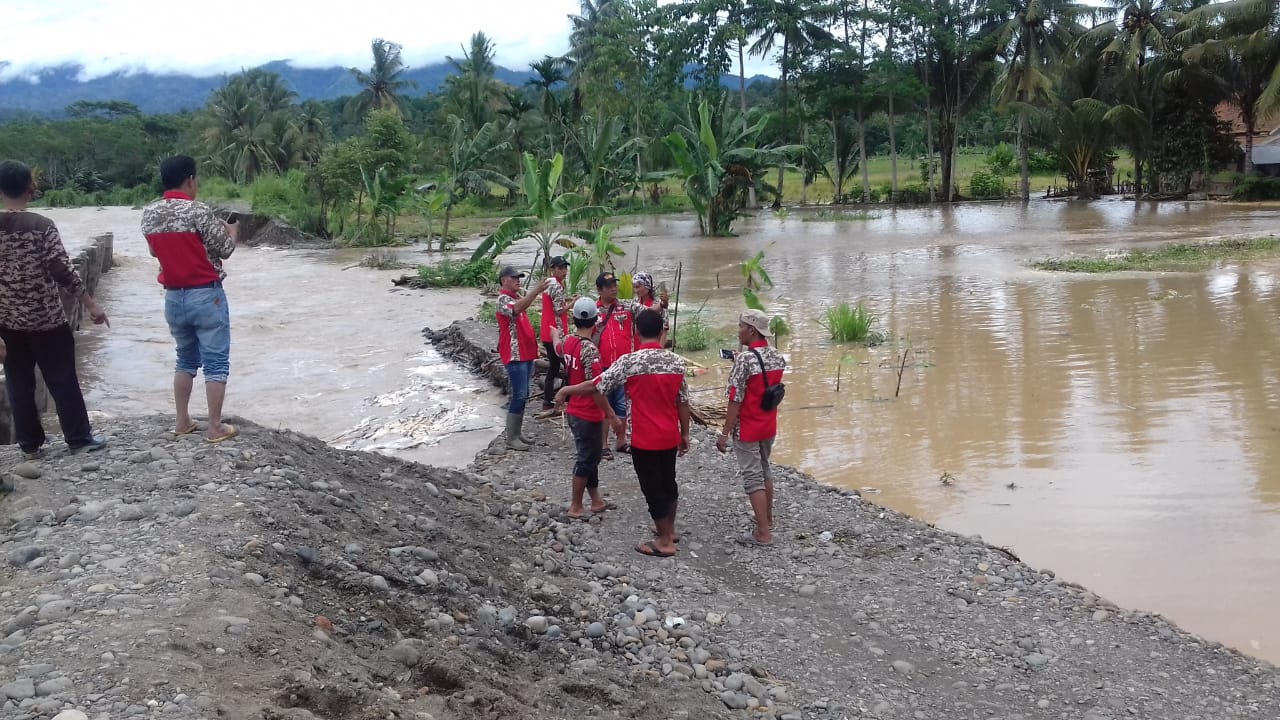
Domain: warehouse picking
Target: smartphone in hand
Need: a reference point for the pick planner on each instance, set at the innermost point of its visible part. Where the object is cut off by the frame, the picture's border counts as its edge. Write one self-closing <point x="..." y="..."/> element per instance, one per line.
<point x="726" y="354"/>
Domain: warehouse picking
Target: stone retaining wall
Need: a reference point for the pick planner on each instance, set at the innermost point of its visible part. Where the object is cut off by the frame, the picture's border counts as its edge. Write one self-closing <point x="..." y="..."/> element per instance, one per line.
<point x="92" y="262"/>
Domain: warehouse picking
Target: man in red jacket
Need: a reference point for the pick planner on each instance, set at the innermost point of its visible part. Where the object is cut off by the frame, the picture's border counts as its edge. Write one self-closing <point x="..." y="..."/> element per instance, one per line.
<point x="517" y="346"/>
<point x="191" y="242"/>
<point x="748" y="424"/>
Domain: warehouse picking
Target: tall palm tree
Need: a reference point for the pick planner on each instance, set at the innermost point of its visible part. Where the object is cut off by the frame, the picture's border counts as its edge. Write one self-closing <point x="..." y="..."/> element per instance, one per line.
<point x="1241" y="55"/>
<point x="791" y="27"/>
<point x="384" y="82"/>
<point x="548" y="73"/>
<point x="1035" y="39"/>
<point x="473" y="89"/>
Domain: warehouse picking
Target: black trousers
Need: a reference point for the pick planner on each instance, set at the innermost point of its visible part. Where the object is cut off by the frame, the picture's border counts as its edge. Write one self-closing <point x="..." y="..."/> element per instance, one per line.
<point x="554" y="363"/>
<point x="656" y="471"/>
<point x="54" y="352"/>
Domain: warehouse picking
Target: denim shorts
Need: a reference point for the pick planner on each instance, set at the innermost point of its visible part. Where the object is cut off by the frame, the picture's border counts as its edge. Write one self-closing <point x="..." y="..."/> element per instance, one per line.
<point x="200" y="323"/>
<point x="618" y="401"/>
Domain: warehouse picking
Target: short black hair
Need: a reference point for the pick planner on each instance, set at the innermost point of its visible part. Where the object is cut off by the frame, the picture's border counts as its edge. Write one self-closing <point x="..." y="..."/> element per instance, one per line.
<point x="175" y="170"/>
<point x="649" y="324"/>
<point x="15" y="178"/>
<point x="584" y="322"/>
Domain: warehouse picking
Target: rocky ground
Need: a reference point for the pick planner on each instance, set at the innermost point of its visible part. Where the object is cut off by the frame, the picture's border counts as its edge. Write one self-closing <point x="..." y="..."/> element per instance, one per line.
<point x="274" y="577"/>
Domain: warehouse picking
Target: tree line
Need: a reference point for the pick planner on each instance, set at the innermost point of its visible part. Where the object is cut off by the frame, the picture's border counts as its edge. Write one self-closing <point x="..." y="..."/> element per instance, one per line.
<point x="652" y="97"/>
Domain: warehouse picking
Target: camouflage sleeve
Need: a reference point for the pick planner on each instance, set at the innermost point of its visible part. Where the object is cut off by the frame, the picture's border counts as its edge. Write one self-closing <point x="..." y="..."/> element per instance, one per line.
<point x="738" y="376"/>
<point x="683" y="396"/>
<point x="58" y="263"/>
<point x="556" y="291"/>
<point x="590" y="360"/>
<point x="616" y="376"/>
<point x="217" y="241"/>
<point x="506" y="306"/>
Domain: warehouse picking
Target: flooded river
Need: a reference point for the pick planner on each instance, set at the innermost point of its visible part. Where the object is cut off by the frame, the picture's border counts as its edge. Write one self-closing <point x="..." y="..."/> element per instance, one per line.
<point x="318" y="346"/>
<point x="1121" y="430"/>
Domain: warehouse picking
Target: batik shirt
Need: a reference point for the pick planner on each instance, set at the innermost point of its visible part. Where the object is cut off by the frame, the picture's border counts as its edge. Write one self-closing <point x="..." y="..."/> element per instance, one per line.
<point x="188" y="239"/>
<point x="655" y="382"/>
<point x="34" y="265"/>
<point x="555" y="313"/>
<point x="518" y="345"/>
<point x="746" y="386"/>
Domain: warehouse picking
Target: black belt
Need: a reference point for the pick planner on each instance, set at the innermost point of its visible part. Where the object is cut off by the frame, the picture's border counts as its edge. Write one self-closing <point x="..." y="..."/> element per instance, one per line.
<point x="214" y="284"/>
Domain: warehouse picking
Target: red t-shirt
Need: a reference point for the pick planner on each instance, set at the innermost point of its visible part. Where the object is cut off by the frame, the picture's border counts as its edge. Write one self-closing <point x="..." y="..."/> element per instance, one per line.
<point x="553" y="295"/>
<point x="613" y="332"/>
<point x="522" y="345"/>
<point x="655" y="382"/>
<point x="583" y="360"/>
<point x="747" y="387"/>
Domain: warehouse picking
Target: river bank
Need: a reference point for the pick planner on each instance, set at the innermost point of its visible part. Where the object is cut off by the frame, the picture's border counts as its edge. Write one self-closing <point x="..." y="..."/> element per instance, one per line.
<point x="276" y="577"/>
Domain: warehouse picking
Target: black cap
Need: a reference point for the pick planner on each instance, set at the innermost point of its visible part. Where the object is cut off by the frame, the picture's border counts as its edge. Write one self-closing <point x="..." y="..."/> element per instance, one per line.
<point x="606" y="278"/>
<point x="509" y="271"/>
<point x="558" y="261"/>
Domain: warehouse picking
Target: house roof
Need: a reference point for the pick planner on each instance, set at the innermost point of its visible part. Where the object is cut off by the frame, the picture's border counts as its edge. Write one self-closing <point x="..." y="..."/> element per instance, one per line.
<point x="1268" y="154"/>
<point x="1228" y="112"/>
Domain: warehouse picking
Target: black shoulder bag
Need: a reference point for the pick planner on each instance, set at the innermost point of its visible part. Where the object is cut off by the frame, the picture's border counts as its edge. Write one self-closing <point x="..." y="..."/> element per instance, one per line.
<point x="773" y="394"/>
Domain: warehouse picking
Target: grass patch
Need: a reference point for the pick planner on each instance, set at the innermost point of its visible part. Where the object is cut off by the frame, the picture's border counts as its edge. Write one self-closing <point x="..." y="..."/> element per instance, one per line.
<point x="1170" y="258"/>
<point x="848" y="323"/>
<point x="835" y="216"/>
<point x="456" y="273"/>
<point x="488" y="312"/>
<point x="381" y="259"/>
<point x="692" y="332"/>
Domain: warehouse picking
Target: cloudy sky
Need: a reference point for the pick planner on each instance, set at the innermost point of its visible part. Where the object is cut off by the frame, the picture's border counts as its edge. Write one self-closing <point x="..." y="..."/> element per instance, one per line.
<point x="209" y="38"/>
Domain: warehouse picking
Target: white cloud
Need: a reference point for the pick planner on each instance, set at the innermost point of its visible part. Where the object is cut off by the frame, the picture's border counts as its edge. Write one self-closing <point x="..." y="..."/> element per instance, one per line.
<point x="106" y="36"/>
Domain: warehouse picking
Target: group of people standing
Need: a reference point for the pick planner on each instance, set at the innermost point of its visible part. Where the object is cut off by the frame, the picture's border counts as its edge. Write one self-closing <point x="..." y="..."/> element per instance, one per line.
<point x="187" y="239"/>
<point x="617" y="368"/>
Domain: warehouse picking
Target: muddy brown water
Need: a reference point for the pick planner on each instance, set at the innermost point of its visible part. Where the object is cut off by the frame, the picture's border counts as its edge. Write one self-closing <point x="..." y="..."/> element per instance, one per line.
<point x="318" y="346"/>
<point x="1120" y="430"/>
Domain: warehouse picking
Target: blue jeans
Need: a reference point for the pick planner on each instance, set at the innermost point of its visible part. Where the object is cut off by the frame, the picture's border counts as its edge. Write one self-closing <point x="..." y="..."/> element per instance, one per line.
<point x="200" y="323"/>
<point x="520" y="374"/>
<point x="618" y="401"/>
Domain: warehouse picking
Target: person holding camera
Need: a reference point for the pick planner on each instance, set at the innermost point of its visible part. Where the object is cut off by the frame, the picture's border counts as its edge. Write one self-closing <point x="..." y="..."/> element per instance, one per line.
<point x="587" y="414"/>
<point x="34" y="329"/>
<point x="190" y="242"/>
<point x="755" y="388"/>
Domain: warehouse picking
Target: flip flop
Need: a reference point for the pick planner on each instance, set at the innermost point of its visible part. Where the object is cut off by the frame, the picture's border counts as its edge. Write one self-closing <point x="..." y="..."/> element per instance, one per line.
<point x="651" y="549"/>
<point x="194" y="427"/>
<point x="225" y="436"/>
<point x="625" y="449"/>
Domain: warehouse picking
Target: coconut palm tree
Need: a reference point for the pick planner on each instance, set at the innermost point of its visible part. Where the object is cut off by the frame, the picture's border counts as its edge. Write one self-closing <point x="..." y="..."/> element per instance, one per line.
<point x="470" y="166"/>
<point x="473" y="90"/>
<point x="1238" y="48"/>
<point x="383" y="83"/>
<point x="791" y="27"/>
<point x="1035" y="39"/>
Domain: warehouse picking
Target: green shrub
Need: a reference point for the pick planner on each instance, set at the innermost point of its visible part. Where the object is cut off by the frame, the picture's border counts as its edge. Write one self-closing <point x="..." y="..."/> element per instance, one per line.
<point x="778" y="326"/>
<point x="913" y="193"/>
<point x="986" y="186"/>
<point x="693" y="333"/>
<point x="381" y="259"/>
<point x="488" y="312"/>
<point x="1043" y="163"/>
<point x="455" y="273"/>
<point x="287" y="197"/>
<point x="1001" y="160"/>
<point x="214" y="187"/>
<point x="846" y="323"/>
<point x="1256" y="188"/>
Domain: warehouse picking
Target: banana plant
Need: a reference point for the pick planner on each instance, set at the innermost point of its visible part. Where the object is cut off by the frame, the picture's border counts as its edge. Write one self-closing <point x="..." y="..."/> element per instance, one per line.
<point x="546" y="213"/>
<point x="719" y="163"/>
<point x="429" y="205"/>
<point x="755" y="277"/>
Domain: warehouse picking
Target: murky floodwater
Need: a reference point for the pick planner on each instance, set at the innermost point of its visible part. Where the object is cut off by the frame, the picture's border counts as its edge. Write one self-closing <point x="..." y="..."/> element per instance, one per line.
<point x="318" y="346"/>
<point x="1120" y="430"/>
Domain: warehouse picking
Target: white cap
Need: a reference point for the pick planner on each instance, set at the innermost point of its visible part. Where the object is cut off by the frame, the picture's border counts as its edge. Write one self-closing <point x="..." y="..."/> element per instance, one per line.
<point x="584" y="308"/>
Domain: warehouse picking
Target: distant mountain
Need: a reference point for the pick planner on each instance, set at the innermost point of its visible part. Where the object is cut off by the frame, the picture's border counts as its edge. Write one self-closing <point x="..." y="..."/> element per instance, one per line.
<point x="58" y="87"/>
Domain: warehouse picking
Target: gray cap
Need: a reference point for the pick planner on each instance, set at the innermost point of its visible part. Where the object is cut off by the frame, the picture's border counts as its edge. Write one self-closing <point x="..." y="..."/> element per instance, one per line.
<point x="584" y="308"/>
<point x="508" y="271"/>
